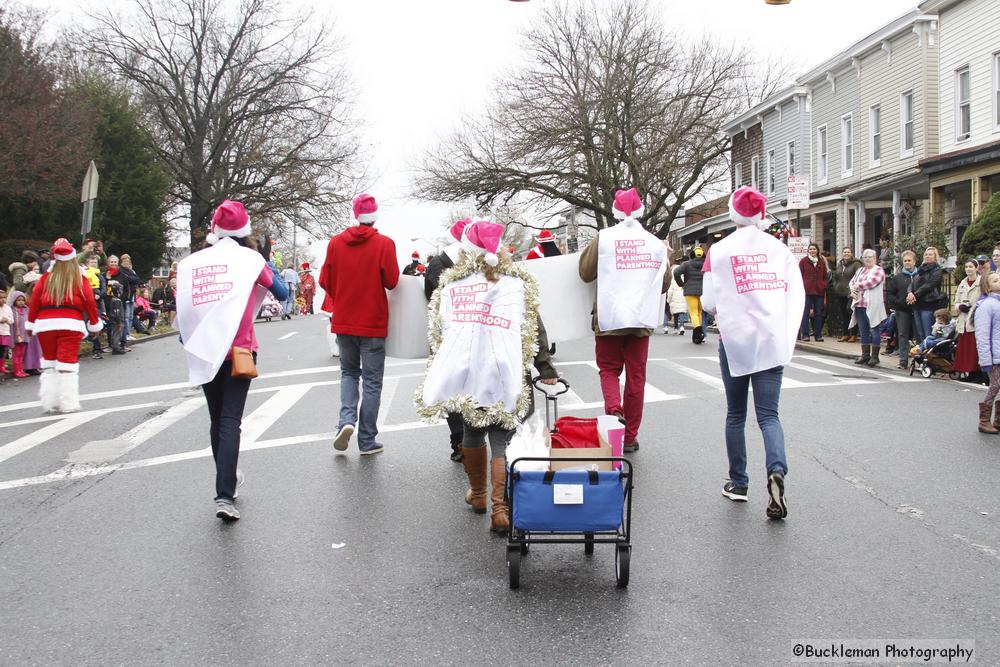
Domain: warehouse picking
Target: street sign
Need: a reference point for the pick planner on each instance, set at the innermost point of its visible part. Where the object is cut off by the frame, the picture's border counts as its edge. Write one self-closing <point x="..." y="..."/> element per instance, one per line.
<point x="90" y="183"/>
<point x="798" y="192"/>
<point x="87" y="196"/>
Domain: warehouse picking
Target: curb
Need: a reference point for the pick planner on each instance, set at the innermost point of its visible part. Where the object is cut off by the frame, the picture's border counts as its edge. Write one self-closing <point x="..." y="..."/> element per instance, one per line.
<point x="145" y="339"/>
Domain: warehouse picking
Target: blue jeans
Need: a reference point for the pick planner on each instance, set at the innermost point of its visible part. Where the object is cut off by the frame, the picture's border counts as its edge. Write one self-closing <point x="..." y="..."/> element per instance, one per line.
<point x="129" y="312"/>
<point x="289" y="305"/>
<point x="923" y="322"/>
<point x="815" y="304"/>
<point x="766" y="393"/>
<point x="869" y="335"/>
<point x="361" y="359"/>
<point x="226" y="397"/>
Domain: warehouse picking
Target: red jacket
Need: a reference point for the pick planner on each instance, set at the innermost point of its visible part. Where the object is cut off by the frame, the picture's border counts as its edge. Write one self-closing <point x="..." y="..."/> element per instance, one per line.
<point x="360" y="265"/>
<point x="815" y="278"/>
<point x="79" y="313"/>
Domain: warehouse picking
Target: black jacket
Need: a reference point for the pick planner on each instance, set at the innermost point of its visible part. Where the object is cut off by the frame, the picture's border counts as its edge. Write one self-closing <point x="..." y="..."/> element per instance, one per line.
<point x="896" y="289"/>
<point x="927" y="287"/>
<point x="432" y="273"/>
<point x="689" y="276"/>
<point x="130" y="282"/>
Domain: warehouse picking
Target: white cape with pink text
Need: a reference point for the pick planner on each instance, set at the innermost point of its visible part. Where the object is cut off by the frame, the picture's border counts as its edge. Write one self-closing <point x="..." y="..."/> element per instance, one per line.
<point x="480" y="354"/>
<point x="630" y="267"/>
<point x="759" y="299"/>
<point x="213" y="287"/>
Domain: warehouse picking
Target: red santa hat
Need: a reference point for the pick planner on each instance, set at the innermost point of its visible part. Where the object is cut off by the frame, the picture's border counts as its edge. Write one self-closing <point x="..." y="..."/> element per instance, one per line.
<point x="546" y="237"/>
<point x="536" y="252"/>
<point x="420" y="269"/>
<point x="628" y="204"/>
<point x="414" y="255"/>
<point x="458" y="227"/>
<point x="230" y="219"/>
<point x="365" y="209"/>
<point x="63" y="250"/>
<point x="483" y="236"/>
<point x="746" y="207"/>
<point x="305" y="266"/>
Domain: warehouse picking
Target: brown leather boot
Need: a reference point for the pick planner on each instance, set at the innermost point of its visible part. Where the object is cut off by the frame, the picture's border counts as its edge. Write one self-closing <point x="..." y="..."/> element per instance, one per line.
<point x="474" y="460"/>
<point x="499" y="518"/>
<point x="985" y="412"/>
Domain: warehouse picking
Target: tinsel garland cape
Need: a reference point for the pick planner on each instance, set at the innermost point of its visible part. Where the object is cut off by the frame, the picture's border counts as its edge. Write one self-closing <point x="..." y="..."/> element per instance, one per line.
<point x="497" y="414"/>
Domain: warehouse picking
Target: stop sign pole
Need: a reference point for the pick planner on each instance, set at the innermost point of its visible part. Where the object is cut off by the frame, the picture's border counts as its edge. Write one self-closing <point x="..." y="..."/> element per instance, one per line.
<point x="87" y="197"/>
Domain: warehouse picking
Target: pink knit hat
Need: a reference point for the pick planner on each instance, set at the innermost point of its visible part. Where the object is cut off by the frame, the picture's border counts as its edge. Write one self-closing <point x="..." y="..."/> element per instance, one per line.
<point x="746" y="206"/>
<point x="229" y="219"/>
<point x="457" y="228"/>
<point x="628" y="204"/>
<point x="483" y="236"/>
<point x="365" y="209"/>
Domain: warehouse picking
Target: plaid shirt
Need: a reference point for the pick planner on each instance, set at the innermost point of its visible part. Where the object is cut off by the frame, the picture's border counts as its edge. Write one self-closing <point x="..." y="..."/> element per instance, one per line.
<point x="864" y="280"/>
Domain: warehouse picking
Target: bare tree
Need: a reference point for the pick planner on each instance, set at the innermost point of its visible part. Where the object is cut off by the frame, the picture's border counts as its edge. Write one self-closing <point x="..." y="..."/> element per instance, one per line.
<point x="608" y="99"/>
<point x="246" y="104"/>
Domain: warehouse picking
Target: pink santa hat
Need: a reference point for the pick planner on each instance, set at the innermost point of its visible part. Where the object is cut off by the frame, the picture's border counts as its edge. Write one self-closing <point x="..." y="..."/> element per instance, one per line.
<point x="483" y="236"/>
<point x="365" y="209"/>
<point x="747" y="206"/>
<point x="628" y="204"/>
<point x="458" y="227"/>
<point x="230" y="219"/>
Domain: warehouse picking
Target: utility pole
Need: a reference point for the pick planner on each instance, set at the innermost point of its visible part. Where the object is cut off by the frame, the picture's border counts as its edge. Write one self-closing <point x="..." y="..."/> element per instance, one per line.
<point x="87" y="197"/>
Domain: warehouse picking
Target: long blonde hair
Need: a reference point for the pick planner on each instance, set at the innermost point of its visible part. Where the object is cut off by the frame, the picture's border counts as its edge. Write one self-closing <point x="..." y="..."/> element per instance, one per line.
<point x="64" y="279"/>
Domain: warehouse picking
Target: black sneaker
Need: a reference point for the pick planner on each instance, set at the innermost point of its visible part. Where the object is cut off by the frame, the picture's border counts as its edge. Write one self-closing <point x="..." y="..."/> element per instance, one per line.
<point x="343" y="437"/>
<point x="96" y="355"/>
<point x="226" y="511"/>
<point x="630" y="447"/>
<point x="456" y="452"/>
<point x="776" y="489"/>
<point x="733" y="492"/>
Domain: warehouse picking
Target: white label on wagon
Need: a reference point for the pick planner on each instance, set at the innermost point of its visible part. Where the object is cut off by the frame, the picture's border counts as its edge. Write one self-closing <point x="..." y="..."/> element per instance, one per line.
<point x="567" y="494"/>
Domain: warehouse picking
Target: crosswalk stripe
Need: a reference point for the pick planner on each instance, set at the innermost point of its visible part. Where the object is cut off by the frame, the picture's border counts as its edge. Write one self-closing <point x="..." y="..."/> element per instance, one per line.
<point x="96" y="413"/>
<point x="44" y="434"/>
<point x="863" y="369"/>
<point x="711" y="380"/>
<point x="270" y="411"/>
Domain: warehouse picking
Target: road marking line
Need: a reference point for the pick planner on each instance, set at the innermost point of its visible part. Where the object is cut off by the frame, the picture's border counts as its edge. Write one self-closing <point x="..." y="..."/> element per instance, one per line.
<point x="711" y="380"/>
<point x="863" y="369"/>
<point x="44" y="434"/>
<point x="98" y="412"/>
<point x="273" y="409"/>
<point x="389" y="387"/>
<point x="288" y="335"/>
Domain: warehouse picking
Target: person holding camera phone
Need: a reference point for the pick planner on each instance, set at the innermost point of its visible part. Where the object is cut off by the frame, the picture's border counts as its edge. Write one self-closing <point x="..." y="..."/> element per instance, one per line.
<point x="219" y="289"/>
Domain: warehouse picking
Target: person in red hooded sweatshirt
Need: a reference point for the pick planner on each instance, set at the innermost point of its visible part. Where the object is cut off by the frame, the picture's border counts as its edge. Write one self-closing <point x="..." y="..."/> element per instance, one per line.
<point x="360" y="265"/>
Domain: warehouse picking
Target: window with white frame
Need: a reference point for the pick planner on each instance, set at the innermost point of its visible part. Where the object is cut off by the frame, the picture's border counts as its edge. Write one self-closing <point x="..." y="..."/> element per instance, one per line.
<point x="738" y="173"/>
<point x="821" y="155"/>
<point x="790" y="157"/>
<point x="906" y="123"/>
<point x="963" y="103"/>
<point x="755" y="172"/>
<point x="769" y="166"/>
<point x="847" y="145"/>
<point x="996" y="91"/>
<point x="875" y="136"/>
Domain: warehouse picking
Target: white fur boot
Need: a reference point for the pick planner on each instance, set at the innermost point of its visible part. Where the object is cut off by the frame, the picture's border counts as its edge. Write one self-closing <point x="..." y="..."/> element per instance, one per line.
<point x="69" y="391"/>
<point x="48" y="391"/>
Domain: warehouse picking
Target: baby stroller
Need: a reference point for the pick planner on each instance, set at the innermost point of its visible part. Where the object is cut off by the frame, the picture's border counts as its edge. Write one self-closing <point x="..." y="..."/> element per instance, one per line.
<point x="937" y="359"/>
<point x="270" y="308"/>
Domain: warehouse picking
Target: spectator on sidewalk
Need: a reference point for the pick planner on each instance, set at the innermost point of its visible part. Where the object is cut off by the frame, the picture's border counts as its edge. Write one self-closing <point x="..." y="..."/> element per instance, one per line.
<point x="307" y="288"/>
<point x="815" y="278"/>
<point x="926" y="296"/>
<point x="6" y="321"/>
<point x="840" y="294"/>
<point x="627" y="307"/>
<point x="291" y="280"/>
<point x="689" y="277"/>
<point x="987" y="323"/>
<point x="165" y="300"/>
<point x="18" y="270"/>
<point x="897" y="287"/>
<point x="757" y="326"/>
<point x="411" y="268"/>
<point x="967" y="295"/>
<point x="144" y="313"/>
<point x="678" y="309"/>
<point x="360" y="266"/>
<point x="942" y="330"/>
<point x="129" y="281"/>
<point x="224" y="365"/>
<point x="868" y="302"/>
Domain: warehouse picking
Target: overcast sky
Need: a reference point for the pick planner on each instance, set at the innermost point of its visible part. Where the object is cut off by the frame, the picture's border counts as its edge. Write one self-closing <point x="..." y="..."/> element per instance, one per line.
<point x="421" y="64"/>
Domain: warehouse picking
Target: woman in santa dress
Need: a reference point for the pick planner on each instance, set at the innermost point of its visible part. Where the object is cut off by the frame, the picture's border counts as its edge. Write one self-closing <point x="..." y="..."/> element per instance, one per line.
<point x="61" y="312"/>
<point x="307" y="288"/>
<point x="485" y="335"/>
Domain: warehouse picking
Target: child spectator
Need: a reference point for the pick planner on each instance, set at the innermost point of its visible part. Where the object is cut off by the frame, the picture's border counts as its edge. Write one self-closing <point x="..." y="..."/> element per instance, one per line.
<point x="942" y="330"/>
<point x="144" y="312"/>
<point x="116" y="317"/>
<point x="677" y="309"/>
<point x="6" y="319"/>
<point x="19" y="334"/>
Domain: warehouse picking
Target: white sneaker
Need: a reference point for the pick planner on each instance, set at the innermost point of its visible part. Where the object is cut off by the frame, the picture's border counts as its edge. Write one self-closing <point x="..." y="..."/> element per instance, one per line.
<point x="343" y="437"/>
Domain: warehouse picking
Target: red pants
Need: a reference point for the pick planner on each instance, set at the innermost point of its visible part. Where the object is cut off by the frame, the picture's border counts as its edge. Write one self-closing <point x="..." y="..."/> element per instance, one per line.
<point x="60" y="349"/>
<point x="615" y="353"/>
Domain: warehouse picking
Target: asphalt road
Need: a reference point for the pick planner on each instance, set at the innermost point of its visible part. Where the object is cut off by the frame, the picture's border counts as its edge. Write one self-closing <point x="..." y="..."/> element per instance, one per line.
<point x="110" y="552"/>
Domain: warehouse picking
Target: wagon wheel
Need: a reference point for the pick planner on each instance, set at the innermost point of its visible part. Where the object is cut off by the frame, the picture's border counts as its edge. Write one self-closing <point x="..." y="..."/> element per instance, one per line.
<point x="623" y="554"/>
<point x="514" y="565"/>
<point x="927" y="371"/>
